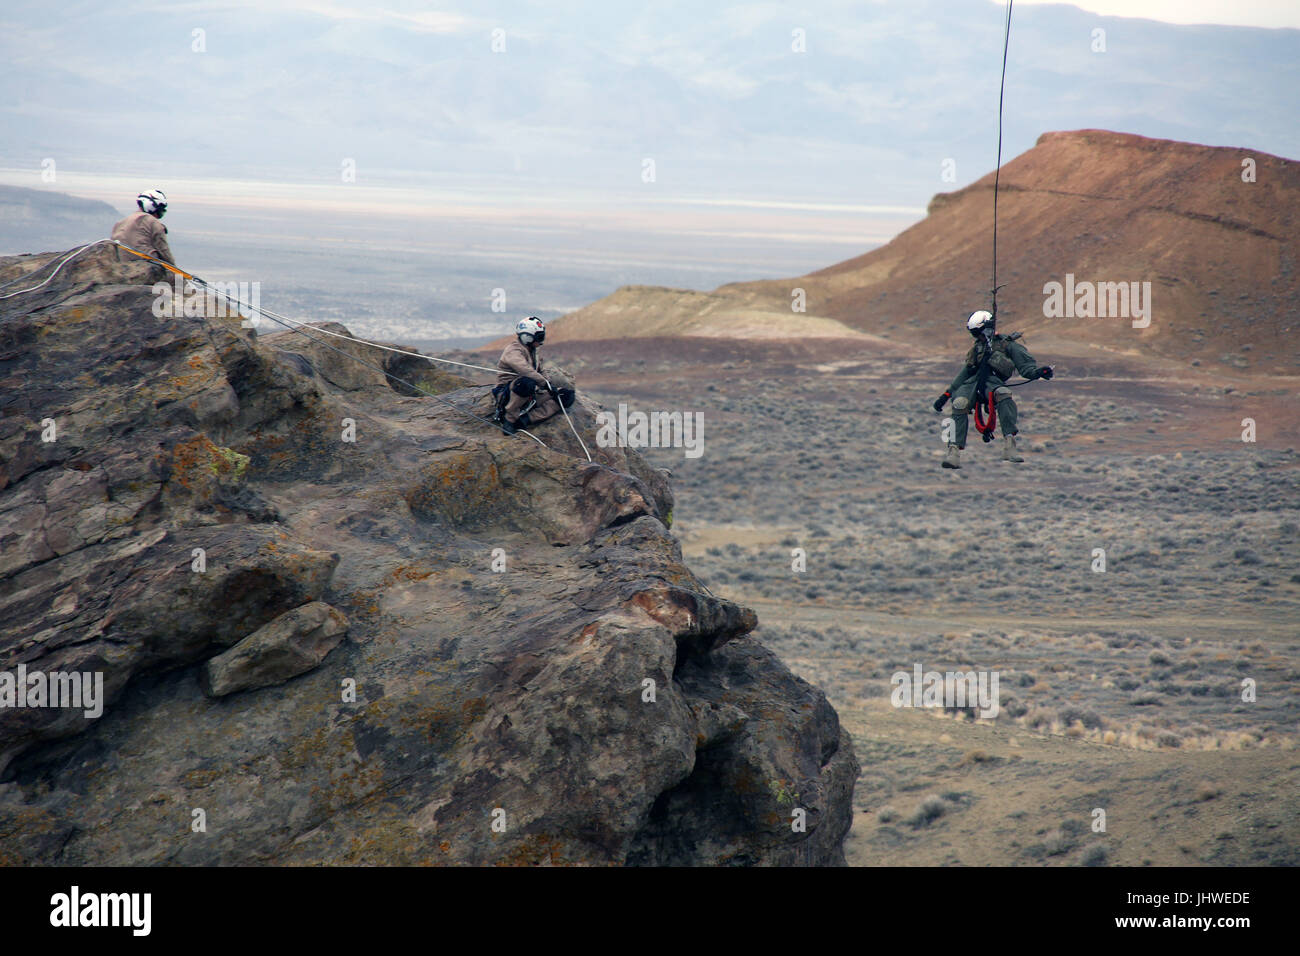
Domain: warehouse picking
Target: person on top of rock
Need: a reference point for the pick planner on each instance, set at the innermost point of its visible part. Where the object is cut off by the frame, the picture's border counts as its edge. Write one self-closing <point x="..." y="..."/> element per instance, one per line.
<point x="525" y="394"/>
<point x="996" y="358"/>
<point x="143" y="231"/>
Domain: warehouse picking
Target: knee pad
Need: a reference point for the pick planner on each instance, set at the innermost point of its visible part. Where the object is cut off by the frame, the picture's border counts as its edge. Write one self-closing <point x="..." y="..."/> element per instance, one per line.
<point x="1001" y="395"/>
<point x="524" y="386"/>
<point x="961" y="404"/>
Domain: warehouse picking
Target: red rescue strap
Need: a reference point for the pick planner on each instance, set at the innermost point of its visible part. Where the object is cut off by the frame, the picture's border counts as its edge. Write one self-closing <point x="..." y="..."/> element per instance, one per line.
<point x="984" y="427"/>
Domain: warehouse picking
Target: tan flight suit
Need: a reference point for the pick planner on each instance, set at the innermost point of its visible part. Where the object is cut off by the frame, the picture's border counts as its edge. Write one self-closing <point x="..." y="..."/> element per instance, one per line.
<point x="522" y="361"/>
<point x="144" y="233"/>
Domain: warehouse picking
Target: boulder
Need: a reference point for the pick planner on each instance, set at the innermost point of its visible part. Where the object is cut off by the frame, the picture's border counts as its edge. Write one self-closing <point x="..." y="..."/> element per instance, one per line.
<point x="292" y="644"/>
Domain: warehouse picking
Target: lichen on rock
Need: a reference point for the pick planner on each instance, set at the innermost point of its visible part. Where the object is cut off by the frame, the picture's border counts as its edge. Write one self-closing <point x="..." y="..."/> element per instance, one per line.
<point x="530" y="673"/>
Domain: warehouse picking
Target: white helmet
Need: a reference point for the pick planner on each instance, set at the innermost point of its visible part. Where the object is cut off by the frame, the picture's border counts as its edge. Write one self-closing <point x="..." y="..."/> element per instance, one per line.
<point x="979" y="321"/>
<point x="152" y="201"/>
<point x="530" y="331"/>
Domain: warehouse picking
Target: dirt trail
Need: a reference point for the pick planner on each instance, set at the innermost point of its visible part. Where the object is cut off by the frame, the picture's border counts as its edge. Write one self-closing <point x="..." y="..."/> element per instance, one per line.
<point x="1015" y="795"/>
<point x="1025" y="798"/>
<point x="1268" y="625"/>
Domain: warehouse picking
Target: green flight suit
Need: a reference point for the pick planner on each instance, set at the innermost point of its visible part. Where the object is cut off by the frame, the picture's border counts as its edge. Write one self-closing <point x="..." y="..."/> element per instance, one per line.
<point x="1008" y="357"/>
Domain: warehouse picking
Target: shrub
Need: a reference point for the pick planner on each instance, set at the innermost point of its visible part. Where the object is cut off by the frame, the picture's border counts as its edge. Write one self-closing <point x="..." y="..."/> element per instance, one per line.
<point x="1095" y="855"/>
<point x="1089" y="718"/>
<point x="1057" y="843"/>
<point x="929" y="810"/>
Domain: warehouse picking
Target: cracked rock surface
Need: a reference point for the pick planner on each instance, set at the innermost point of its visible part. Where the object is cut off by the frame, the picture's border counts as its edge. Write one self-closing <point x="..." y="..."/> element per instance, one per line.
<point x="432" y="643"/>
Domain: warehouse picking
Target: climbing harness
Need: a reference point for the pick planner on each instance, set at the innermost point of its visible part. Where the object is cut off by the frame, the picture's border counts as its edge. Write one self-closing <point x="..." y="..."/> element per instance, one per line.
<point x="982" y="401"/>
<point x="984" y="394"/>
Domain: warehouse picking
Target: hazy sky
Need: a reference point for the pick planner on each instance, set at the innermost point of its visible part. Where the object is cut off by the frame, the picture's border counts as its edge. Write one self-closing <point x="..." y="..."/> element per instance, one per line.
<point x="862" y="108"/>
<point x="591" y="143"/>
<point x="1256" y="13"/>
<point x="1253" y="13"/>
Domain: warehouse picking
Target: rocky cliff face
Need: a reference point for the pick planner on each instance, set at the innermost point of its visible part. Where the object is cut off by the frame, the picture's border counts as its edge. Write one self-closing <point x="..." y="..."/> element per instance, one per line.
<point x="339" y="623"/>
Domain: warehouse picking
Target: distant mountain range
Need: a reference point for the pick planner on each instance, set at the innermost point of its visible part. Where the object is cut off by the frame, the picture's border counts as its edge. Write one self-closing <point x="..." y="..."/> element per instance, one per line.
<point x="719" y="96"/>
<point x="34" y="220"/>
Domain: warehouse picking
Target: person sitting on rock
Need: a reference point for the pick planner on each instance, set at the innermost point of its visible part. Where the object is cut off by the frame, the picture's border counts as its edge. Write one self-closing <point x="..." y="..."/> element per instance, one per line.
<point x="990" y="362"/>
<point x="525" y="395"/>
<point x="143" y="231"/>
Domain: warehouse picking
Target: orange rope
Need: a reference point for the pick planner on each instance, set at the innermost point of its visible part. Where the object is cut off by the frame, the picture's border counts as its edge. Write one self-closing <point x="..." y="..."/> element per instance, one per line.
<point x="166" y="265"/>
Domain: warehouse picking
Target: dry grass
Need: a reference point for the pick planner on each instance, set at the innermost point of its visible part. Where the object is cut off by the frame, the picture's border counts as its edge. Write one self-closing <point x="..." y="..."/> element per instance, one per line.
<point x="1136" y="671"/>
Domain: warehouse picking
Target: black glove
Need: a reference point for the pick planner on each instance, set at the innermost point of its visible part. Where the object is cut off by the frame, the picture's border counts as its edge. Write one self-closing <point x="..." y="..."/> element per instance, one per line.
<point x="941" y="401"/>
<point x="1043" y="371"/>
<point x="566" y="396"/>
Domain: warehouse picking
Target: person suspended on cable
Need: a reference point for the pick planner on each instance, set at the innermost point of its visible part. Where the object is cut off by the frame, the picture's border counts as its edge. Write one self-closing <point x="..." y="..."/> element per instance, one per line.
<point x="527" y="392"/>
<point x="144" y="232"/>
<point x="980" y="387"/>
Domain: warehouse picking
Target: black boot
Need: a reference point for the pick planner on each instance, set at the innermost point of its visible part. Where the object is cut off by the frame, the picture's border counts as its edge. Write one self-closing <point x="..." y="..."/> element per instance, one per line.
<point x="501" y="398"/>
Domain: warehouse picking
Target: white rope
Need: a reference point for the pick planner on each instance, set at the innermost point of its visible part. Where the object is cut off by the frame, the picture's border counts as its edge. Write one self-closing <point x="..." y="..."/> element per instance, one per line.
<point x="389" y="348"/>
<point x="434" y="358"/>
<point x="337" y="335"/>
<point x="565" y="411"/>
<point x="295" y="326"/>
<point x="431" y="358"/>
<point x="68" y="258"/>
<point x="286" y="322"/>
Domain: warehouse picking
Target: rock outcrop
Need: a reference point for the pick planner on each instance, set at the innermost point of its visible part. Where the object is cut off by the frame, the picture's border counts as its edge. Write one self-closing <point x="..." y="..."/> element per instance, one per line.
<point x="1213" y="232"/>
<point x="428" y="642"/>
